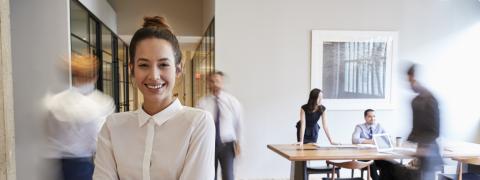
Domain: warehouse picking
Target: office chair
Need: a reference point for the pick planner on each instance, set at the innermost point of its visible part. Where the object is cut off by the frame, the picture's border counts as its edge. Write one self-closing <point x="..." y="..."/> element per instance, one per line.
<point x="350" y="165"/>
<point x="322" y="170"/>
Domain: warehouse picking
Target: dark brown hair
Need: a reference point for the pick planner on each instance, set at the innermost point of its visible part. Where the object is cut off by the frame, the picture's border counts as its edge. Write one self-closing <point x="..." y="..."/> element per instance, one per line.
<point x="365" y="113"/>
<point x="155" y="27"/>
<point x="411" y="70"/>
<point x="220" y="73"/>
<point x="312" y="100"/>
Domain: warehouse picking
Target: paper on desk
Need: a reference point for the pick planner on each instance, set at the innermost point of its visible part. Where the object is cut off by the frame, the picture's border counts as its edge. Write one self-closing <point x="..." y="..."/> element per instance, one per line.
<point x="337" y="146"/>
<point x="366" y="145"/>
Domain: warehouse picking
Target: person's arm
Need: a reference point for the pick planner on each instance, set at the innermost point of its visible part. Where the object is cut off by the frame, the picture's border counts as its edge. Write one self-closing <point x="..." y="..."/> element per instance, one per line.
<point x="432" y="116"/>
<point x="105" y="166"/>
<point x="199" y="162"/>
<point x="325" y="128"/>
<point x="356" y="139"/>
<point x="238" y="127"/>
<point x="302" y="125"/>
<point x="382" y="131"/>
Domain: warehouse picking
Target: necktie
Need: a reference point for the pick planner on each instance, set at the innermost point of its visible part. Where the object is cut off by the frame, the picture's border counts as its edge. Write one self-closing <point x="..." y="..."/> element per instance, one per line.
<point x="370" y="132"/>
<point x="218" y="140"/>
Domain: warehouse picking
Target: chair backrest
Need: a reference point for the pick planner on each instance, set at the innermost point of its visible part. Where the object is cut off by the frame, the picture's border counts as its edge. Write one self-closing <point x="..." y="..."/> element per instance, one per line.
<point x="351" y="164"/>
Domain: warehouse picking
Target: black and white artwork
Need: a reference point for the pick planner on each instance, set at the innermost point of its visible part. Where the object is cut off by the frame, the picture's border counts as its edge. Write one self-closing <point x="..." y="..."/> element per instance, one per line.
<point x="354" y="68"/>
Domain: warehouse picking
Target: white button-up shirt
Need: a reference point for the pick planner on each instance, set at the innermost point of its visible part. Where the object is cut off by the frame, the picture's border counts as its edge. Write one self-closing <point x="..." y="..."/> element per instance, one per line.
<point x="177" y="143"/>
<point x="230" y="115"/>
<point x="76" y="116"/>
<point x="362" y="132"/>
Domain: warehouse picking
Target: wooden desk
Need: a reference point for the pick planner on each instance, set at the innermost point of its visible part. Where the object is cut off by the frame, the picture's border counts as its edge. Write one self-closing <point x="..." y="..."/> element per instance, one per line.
<point x="299" y="155"/>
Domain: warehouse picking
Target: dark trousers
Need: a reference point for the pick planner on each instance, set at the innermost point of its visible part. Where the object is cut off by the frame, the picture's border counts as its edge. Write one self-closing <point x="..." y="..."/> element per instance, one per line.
<point x="391" y="170"/>
<point x="373" y="171"/>
<point x="225" y="154"/>
<point x="77" y="168"/>
<point x="430" y="162"/>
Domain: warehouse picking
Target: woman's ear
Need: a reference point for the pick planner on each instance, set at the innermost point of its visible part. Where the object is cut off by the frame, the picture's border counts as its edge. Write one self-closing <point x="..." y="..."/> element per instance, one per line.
<point x="130" y="68"/>
<point x="178" y="70"/>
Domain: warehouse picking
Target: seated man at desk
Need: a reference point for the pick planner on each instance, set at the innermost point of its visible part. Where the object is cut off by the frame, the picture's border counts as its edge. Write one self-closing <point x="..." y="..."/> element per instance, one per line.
<point x="364" y="132"/>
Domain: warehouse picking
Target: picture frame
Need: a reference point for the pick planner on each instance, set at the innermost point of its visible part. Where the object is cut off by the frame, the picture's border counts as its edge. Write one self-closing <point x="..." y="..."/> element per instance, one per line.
<point x="354" y="68"/>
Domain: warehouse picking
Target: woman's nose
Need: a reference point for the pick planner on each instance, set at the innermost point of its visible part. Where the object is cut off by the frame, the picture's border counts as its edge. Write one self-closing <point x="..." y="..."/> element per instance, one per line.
<point x="154" y="73"/>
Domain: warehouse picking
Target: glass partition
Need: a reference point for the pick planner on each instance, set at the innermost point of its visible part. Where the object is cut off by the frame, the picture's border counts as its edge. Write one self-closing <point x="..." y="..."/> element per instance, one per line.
<point x="89" y="36"/>
<point x="203" y="63"/>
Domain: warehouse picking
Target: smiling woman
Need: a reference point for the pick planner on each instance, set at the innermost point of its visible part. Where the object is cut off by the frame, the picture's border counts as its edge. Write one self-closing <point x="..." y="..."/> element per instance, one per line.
<point x="163" y="139"/>
<point x="155" y="72"/>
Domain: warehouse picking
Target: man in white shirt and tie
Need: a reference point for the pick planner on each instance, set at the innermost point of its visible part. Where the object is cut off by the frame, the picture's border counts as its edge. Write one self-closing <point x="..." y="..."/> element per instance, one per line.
<point x="227" y="113"/>
<point x="364" y="132"/>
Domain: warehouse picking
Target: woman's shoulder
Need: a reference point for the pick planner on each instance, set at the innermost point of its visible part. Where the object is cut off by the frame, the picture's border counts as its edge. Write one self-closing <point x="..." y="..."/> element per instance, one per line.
<point x="193" y="111"/>
<point x="197" y="116"/>
<point x="304" y="107"/>
<point x="196" y="113"/>
<point x="322" y="108"/>
<point x="120" y="118"/>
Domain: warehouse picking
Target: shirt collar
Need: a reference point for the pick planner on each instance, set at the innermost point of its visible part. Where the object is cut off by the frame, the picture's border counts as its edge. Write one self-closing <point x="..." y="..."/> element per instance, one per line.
<point x="162" y="116"/>
<point x="373" y="125"/>
<point x="221" y="95"/>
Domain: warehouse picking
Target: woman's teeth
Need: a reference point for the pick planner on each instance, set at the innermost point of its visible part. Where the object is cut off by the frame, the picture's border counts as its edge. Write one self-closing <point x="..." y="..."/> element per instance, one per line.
<point x="158" y="86"/>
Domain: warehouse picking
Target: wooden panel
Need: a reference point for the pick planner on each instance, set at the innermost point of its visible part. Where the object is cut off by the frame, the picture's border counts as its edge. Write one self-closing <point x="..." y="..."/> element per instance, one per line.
<point x="7" y="156"/>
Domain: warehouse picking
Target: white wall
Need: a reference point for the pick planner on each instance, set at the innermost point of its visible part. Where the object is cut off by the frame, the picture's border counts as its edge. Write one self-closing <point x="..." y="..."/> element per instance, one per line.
<point x="39" y="40"/>
<point x="265" y="51"/>
<point x="104" y="12"/>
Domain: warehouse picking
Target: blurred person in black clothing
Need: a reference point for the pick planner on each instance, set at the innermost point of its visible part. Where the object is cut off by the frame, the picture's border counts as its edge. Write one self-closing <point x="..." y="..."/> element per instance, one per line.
<point x="425" y="127"/>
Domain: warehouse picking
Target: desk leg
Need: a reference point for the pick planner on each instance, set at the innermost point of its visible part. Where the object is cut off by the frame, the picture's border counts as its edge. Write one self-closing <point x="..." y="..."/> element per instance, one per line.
<point x="298" y="170"/>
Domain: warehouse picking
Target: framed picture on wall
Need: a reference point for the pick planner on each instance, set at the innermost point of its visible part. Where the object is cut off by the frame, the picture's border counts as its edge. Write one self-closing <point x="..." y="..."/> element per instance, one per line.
<point x="354" y="68"/>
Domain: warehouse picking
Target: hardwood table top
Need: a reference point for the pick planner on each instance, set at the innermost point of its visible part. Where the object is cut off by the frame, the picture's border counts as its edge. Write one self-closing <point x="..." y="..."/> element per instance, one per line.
<point x="294" y="152"/>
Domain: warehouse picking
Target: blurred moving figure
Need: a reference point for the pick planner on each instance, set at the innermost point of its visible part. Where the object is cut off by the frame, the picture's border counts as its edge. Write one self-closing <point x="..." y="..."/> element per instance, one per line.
<point x="76" y="116"/>
<point x="425" y="127"/>
<point x="425" y="131"/>
<point x="227" y="113"/>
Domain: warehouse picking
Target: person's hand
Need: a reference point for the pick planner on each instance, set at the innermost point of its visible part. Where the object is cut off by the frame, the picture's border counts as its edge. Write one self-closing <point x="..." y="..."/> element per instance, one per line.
<point x="237" y="149"/>
<point x="299" y="144"/>
<point x="368" y="141"/>
<point x="335" y="143"/>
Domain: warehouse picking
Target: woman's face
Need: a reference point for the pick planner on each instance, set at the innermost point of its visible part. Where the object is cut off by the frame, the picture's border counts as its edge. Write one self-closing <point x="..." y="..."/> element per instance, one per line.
<point x="320" y="96"/>
<point x="155" y="69"/>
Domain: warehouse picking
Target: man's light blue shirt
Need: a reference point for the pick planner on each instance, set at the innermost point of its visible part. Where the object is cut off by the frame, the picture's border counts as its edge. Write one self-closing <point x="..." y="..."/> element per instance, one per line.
<point x="362" y="132"/>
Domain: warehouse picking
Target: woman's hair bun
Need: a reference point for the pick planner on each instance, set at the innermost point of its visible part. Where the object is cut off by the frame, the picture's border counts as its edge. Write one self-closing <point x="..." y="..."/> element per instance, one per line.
<point x="156" y="22"/>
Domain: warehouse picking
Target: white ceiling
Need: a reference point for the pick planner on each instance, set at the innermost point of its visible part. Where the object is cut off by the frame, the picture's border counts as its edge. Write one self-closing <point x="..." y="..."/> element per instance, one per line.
<point x="185" y="16"/>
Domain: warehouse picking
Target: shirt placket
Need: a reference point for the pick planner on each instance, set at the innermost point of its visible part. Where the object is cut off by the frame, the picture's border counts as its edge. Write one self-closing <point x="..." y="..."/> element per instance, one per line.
<point x="147" y="157"/>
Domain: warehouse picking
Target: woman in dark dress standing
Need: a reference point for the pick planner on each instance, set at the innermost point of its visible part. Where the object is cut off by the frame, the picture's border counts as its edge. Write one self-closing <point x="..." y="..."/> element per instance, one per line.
<point x="310" y="113"/>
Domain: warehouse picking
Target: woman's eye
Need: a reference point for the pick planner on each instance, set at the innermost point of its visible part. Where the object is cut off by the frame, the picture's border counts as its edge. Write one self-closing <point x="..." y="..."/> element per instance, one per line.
<point x="163" y="65"/>
<point x="143" y="65"/>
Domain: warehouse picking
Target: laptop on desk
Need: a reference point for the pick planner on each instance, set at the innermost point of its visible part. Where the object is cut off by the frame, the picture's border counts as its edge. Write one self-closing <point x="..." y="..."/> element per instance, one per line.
<point x="383" y="143"/>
